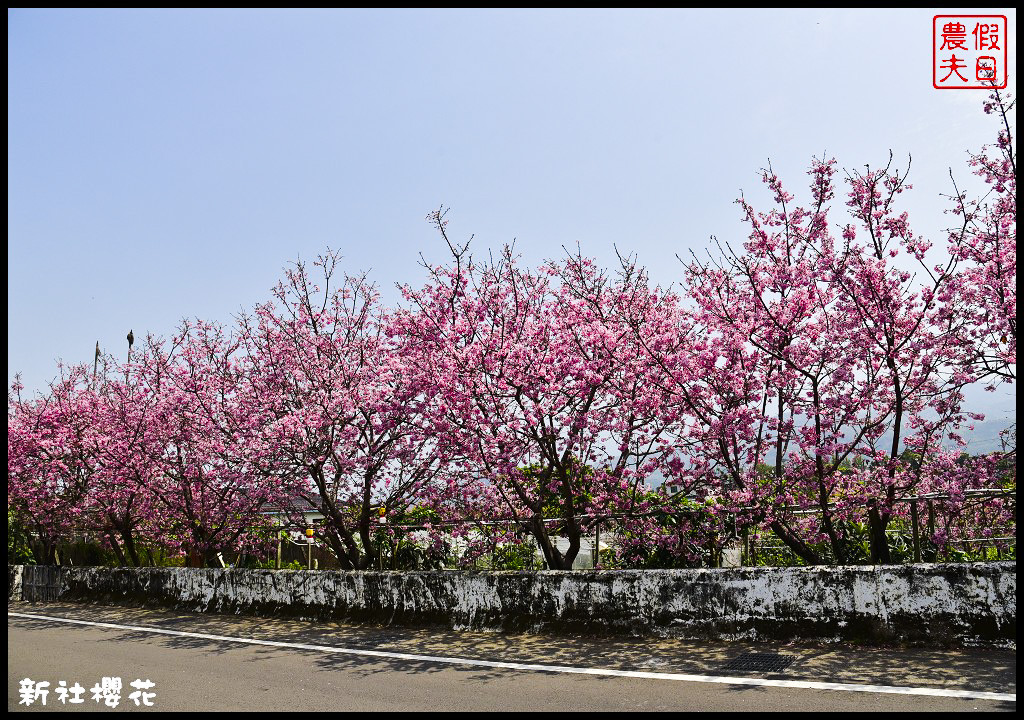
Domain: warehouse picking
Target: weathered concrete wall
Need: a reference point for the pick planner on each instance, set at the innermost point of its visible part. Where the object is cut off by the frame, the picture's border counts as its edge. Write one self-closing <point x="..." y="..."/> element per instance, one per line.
<point x="14" y="573"/>
<point x="926" y="603"/>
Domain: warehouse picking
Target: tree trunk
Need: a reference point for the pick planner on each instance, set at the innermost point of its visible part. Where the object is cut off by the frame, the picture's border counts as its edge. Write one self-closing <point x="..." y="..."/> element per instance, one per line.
<point x="798" y="546"/>
<point x="117" y="549"/>
<point x="877" y="524"/>
<point x="129" y="544"/>
<point x="552" y="557"/>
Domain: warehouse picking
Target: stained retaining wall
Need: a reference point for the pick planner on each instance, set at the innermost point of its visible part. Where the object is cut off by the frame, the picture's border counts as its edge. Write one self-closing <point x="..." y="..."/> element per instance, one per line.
<point x="947" y="604"/>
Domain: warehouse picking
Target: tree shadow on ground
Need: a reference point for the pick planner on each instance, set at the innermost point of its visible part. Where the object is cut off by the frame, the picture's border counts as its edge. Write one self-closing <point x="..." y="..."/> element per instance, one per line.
<point x="976" y="669"/>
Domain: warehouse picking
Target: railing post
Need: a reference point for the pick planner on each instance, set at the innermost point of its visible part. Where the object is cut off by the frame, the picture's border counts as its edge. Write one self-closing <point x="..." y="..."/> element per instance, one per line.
<point x="917" y="531"/>
<point x="931" y="526"/>
<point x="745" y="559"/>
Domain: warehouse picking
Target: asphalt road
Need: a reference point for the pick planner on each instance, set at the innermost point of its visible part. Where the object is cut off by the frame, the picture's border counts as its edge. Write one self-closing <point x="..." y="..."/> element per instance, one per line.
<point x="210" y="662"/>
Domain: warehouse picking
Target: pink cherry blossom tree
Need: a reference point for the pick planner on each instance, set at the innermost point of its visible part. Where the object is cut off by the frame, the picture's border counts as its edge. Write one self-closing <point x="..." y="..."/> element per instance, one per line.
<point x="50" y="457"/>
<point x="847" y="347"/>
<point x="536" y="383"/>
<point x="986" y="241"/>
<point x="119" y="499"/>
<point x="342" y="415"/>
<point x="208" y="487"/>
<point x="773" y="309"/>
<point x="915" y="331"/>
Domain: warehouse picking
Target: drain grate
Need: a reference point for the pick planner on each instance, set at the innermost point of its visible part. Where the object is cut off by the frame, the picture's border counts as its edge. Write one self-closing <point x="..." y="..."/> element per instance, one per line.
<point x="759" y="662"/>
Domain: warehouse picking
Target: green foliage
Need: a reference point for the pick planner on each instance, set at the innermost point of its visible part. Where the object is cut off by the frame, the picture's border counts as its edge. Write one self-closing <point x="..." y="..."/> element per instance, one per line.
<point x="87" y="553"/>
<point x="19" y="550"/>
<point x="657" y="558"/>
<point x="554" y="504"/>
<point x="406" y="554"/>
<point x="608" y="559"/>
<point x="170" y="561"/>
<point x="514" y="556"/>
<point x="695" y="525"/>
<point x="397" y="549"/>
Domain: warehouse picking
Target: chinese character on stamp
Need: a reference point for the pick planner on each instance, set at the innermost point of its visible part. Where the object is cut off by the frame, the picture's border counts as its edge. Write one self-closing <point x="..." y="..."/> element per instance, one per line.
<point x="969" y="51"/>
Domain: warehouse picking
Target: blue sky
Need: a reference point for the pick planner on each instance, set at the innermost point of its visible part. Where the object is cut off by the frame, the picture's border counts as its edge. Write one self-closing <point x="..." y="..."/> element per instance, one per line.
<point x="168" y="164"/>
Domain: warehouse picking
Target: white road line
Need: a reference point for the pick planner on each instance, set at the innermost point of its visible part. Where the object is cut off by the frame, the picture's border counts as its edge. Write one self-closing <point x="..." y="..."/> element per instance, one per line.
<point x="723" y="680"/>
